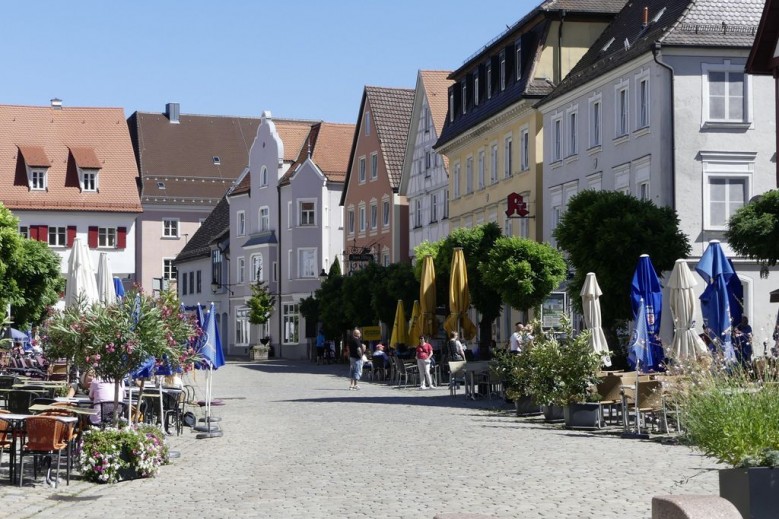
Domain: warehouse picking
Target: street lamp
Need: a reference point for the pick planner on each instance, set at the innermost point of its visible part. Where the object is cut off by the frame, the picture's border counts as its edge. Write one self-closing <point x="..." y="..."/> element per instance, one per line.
<point x="323" y="276"/>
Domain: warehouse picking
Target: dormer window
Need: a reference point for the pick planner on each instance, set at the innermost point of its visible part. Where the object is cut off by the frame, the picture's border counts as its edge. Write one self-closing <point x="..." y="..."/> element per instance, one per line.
<point x="37" y="179"/>
<point x="88" y="179"/>
<point x="518" y="60"/>
<point x="88" y="167"/>
<point x="37" y="165"/>
<point x="502" y="71"/>
<point x="217" y="160"/>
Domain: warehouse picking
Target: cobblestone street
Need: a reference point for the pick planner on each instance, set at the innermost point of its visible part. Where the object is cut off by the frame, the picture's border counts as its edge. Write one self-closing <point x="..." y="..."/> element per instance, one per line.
<point x="298" y="444"/>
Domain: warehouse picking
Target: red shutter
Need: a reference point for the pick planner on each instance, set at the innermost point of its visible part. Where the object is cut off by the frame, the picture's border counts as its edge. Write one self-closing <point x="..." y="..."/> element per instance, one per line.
<point x="92" y="237"/>
<point x="71" y="235"/>
<point x="33" y="232"/>
<point x="43" y="233"/>
<point x="121" y="238"/>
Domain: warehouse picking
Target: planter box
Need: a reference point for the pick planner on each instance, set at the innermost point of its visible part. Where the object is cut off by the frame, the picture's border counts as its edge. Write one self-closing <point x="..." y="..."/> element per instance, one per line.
<point x="527" y="406"/>
<point x="753" y="491"/>
<point x="259" y="353"/>
<point x="582" y="415"/>
<point x="553" y="413"/>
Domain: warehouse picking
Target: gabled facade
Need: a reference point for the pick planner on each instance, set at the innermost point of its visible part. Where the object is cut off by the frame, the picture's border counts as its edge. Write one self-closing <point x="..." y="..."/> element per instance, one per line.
<point x="492" y="133"/>
<point x="69" y="172"/>
<point x="764" y="58"/>
<point x="425" y="178"/>
<point x="375" y="214"/>
<point x="187" y="163"/>
<point x="667" y="113"/>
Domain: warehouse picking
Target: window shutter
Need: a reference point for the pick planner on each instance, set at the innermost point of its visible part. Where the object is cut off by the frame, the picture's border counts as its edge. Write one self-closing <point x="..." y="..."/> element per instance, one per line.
<point x="43" y="233"/>
<point x="121" y="237"/>
<point x="71" y="235"/>
<point x="33" y="232"/>
<point x="92" y="237"/>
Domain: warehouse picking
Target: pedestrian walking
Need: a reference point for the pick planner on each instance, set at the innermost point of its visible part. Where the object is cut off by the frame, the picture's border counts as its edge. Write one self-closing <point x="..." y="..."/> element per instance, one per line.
<point x="424" y="355"/>
<point x="356" y="350"/>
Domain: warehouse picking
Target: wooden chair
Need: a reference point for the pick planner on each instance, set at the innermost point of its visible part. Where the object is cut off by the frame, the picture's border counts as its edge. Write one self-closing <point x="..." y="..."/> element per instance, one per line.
<point x="610" y="390"/>
<point x="650" y="402"/>
<point x="45" y="436"/>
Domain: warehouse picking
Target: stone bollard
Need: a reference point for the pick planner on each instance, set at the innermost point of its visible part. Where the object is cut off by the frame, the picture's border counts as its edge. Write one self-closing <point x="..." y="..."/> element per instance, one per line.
<point x="693" y="507"/>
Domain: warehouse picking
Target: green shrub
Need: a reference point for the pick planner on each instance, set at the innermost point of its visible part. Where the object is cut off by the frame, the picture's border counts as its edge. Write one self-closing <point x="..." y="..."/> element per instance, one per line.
<point x="732" y="418"/>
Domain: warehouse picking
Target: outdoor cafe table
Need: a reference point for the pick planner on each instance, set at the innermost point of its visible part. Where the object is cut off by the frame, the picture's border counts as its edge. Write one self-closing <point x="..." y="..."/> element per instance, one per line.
<point x="16" y="425"/>
<point x="472" y="370"/>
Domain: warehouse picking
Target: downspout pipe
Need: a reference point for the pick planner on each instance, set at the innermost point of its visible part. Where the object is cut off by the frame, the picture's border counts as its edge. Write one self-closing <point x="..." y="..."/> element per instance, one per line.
<point x="656" y="48"/>
<point x="279" y="277"/>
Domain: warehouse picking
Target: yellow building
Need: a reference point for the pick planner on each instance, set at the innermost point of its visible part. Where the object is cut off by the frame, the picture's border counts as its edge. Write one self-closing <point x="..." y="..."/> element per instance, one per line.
<point x="492" y="134"/>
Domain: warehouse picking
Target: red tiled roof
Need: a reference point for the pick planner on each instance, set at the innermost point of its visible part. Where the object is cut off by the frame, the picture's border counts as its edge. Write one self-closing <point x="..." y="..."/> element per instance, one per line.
<point x="44" y="135"/>
<point x="329" y="145"/>
<point x="392" y="112"/>
<point x="35" y="156"/>
<point x="436" y="85"/>
<point x="85" y="158"/>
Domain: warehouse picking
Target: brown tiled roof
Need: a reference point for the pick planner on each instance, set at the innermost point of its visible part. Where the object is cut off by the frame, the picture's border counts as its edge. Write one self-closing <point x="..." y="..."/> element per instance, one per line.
<point x="437" y="84"/>
<point x="391" y="111"/>
<point x="43" y="134"/>
<point x="214" y="226"/>
<point x="329" y="145"/>
<point x="35" y="156"/>
<point x="85" y="157"/>
<point x="293" y="134"/>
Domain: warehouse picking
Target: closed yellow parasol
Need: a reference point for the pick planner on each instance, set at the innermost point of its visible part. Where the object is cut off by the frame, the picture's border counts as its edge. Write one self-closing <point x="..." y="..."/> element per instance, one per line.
<point x="427" y="298"/>
<point x="399" y="327"/>
<point x="459" y="298"/>
<point x="414" y="325"/>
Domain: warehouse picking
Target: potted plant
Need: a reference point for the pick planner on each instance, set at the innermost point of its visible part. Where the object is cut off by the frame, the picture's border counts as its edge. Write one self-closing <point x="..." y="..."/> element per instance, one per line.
<point x="565" y="373"/>
<point x="514" y="370"/>
<point x="731" y="417"/>
<point x="116" y="454"/>
<point x="261" y="305"/>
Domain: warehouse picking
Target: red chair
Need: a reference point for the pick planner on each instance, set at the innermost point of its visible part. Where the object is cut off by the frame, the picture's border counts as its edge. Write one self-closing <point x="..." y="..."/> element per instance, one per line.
<point x="45" y="436"/>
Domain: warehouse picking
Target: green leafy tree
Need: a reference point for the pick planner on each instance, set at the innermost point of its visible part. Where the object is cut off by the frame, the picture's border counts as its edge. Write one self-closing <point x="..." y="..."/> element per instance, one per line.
<point x="331" y="308"/>
<point x="606" y="232"/>
<point x="523" y="272"/>
<point x="753" y="231"/>
<point x="30" y="278"/>
<point x="476" y="244"/>
<point x="260" y="303"/>
<point x="391" y="283"/>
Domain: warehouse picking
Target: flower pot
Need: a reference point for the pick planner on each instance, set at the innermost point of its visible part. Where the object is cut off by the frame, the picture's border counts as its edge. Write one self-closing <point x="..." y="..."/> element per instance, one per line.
<point x="526" y="406"/>
<point x="553" y="413"/>
<point x="585" y="415"/>
<point x="258" y="352"/>
<point x="753" y="491"/>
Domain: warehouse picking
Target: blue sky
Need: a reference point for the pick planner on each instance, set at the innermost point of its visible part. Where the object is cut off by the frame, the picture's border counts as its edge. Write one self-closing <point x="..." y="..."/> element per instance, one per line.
<point x="303" y="59"/>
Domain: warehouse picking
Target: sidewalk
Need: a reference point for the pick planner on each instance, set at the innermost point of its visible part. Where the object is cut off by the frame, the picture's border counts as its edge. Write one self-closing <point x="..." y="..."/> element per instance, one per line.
<point x="298" y="444"/>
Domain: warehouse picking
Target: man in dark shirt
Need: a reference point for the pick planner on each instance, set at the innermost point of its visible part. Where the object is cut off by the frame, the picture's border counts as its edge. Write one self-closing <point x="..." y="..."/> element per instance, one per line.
<point x="356" y="349"/>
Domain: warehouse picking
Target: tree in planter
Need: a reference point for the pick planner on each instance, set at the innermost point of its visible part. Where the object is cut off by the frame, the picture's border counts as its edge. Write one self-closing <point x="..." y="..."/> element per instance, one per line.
<point x="605" y="232"/>
<point x="753" y="231"/>
<point x="261" y="304"/>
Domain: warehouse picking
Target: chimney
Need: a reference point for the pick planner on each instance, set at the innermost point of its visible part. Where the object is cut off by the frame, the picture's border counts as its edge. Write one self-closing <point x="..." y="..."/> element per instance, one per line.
<point x="646" y="17"/>
<point x="172" y="111"/>
<point x="56" y="103"/>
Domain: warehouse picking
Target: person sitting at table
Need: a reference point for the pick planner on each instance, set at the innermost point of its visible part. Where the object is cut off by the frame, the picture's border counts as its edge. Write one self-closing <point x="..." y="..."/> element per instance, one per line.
<point x="102" y="391"/>
<point x="379" y="355"/>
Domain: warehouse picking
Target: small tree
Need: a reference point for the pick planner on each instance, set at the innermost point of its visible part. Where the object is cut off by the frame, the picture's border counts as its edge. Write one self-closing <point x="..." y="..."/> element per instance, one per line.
<point x="753" y="231"/>
<point x="260" y="303"/>
<point x="523" y="272"/>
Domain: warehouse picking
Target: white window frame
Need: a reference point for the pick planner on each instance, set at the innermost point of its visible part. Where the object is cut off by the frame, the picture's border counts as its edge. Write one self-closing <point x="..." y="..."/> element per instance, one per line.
<point x="518" y="59"/>
<point x="256" y="268"/>
<point x="386" y="212"/>
<point x="451" y="104"/>
<point x="556" y="140"/>
<point x="508" y="155"/>
<point x="433" y="207"/>
<point x="263" y="218"/>
<point x="88" y="179"/>
<point x="57" y="236"/>
<point x="241" y="217"/>
<point x="595" y="181"/>
<point x="502" y="61"/>
<point x="240" y="270"/>
<point x="494" y="163"/>
<point x="622" y="178"/>
<point x="264" y="176"/>
<point x="367" y="123"/>
<point x="350" y="219"/>
<point x="476" y="88"/>
<point x="572" y="127"/>
<point x="242" y="326"/>
<point x="621" y="109"/>
<point x="596" y="121"/>
<point x="306" y="216"/>
<point x="489" y="79"/>
<point x="374" y="165"/>
<point x="374" y="215"/>
<point x="170" y="228"/>
<point x="642" y="173"/>
<point x="39" y="179"/>
<point x="456" y="180"/>
<point x="464" y="88"/>
<point x="555" y="211"/>
<point x="480" y="181"/>
<point x="725" y="166"/>
<point x="524" y="152"/>
<point x="106" y="237"/>
<point x="361" y="168"/>
<point x="169" y="270"/>
<point x="446" y="205"/>
<point x="307" y="263"/>
<point x="362" y="218"/>
<point x="643" y="100"/>
<point x="417" y="213"/>
<point x="469" y="175"/>
<point x="291" y="323"/>
<point x="726" y="67"/>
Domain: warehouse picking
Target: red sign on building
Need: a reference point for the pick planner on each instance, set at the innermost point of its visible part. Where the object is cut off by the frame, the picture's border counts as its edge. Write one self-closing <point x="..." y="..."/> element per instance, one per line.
<point x="516" y="206"/>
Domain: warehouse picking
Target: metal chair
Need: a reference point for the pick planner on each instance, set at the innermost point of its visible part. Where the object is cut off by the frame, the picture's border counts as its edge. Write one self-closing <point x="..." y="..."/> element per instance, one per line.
<point x="20" y="400"/>
<point x="406" y="372"/>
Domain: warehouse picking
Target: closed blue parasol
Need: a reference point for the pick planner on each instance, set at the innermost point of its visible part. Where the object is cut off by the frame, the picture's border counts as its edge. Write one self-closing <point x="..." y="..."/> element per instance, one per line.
<point x="640" y="350"/>
<point x="645" y="290"/>
<point x="717" y="271"/>
<point x="213" y="358"/>
<point x="118" y="287"/>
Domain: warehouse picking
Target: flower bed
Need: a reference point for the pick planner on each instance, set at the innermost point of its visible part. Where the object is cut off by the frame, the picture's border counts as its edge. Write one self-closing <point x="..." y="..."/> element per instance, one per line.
<point x="111" y="455"/>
